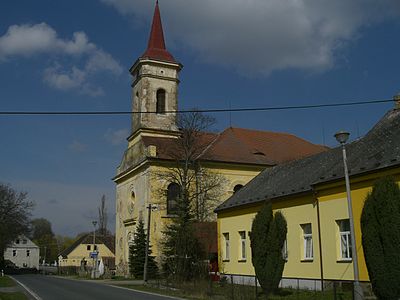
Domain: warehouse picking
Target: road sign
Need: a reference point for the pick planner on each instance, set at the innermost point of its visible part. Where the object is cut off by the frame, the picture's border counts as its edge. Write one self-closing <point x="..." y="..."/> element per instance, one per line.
<point x="93" y="254"/>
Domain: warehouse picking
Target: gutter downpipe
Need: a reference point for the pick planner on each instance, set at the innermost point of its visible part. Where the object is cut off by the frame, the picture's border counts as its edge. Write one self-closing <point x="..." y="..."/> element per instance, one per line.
<point x="319" y="239"/>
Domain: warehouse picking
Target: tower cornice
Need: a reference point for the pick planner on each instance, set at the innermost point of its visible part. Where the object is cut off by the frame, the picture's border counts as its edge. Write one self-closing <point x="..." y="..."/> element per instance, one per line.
<point x="140" y="61"/>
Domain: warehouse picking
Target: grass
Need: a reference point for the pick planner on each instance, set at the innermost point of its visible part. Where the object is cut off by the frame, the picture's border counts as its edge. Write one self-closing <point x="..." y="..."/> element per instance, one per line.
<point x="202" y="291"/>
<point x="6" y="281"/>
<point x="13" y="296"/>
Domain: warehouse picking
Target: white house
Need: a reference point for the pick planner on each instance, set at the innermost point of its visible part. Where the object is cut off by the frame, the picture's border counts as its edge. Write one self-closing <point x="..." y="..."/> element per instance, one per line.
<point x="23" y="253"/>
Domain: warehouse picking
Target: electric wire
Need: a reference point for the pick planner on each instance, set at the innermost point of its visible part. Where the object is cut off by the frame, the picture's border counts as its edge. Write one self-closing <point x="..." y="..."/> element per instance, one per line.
<point x="216" y="110"/>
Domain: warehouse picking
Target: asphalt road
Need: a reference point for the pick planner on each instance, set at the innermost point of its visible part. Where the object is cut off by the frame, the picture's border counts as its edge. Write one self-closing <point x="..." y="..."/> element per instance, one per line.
<point x="55" y="288"/>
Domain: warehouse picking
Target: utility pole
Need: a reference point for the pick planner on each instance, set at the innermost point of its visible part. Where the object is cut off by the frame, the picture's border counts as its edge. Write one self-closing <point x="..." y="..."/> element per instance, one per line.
<point x="150" y="207"/>
<point x="44" y="260"/>
<point x="93" y="252"/>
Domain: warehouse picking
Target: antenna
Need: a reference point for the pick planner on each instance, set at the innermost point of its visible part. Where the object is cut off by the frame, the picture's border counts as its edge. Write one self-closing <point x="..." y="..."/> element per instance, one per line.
<point x="230" y="114"/>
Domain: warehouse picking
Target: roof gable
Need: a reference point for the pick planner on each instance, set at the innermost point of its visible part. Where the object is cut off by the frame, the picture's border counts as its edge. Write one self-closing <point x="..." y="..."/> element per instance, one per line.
<point x="108" y="241"/>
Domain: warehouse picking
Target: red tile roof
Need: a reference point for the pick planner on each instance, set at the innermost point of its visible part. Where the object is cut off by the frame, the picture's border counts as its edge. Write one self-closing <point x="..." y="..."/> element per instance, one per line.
<point x="259" y="147"/>
<point x="156" y="48"/>
<point x="238" y="145"/>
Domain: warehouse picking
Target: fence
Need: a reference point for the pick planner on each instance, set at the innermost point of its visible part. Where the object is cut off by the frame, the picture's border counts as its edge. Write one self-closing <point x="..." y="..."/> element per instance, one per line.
<point x="247" y="287"/>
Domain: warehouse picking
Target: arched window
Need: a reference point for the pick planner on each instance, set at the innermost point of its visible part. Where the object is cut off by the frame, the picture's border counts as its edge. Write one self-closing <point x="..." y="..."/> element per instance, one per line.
<point x="173" y="192"/>
<point x="131" y="205"/>
<point x="237" y="187"/>
<point x="160" y="105"/>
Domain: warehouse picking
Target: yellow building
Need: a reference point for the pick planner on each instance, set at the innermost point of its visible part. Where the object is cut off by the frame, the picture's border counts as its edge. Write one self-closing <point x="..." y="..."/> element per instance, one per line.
<point x="79" y="253"/>
<point x="236" y="154"/>
<point x="311" y="194"/>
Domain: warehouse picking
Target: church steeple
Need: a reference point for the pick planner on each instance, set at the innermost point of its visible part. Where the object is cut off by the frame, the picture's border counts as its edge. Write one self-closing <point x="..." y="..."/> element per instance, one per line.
<point x="155" y="86"/>
<point x="156" y="48"/>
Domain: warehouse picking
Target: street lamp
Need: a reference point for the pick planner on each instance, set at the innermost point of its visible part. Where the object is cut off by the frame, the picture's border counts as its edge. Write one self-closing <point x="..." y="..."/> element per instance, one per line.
<point x="342" y="137"/>
<point x="150" y="207"/>
<point x="94" y="248"/>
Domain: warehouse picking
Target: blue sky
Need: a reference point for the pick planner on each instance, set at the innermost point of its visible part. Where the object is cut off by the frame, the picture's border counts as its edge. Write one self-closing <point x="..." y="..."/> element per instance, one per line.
<point x="75" y="55"/>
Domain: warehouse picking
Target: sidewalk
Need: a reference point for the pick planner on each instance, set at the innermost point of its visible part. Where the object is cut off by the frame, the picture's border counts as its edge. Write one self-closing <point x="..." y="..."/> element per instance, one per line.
<point x="120" y="282"/>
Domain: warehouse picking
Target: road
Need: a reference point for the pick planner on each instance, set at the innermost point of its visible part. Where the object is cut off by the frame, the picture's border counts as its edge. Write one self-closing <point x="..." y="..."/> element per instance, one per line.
<point x="56" y="288"/>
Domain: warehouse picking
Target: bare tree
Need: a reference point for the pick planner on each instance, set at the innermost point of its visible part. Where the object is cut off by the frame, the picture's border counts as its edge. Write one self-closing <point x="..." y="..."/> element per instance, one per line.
<point x="15" y="211"/>
<point x="199" y="187"/>
<point x="103" y="219"/>
<point x="192" y="193"/>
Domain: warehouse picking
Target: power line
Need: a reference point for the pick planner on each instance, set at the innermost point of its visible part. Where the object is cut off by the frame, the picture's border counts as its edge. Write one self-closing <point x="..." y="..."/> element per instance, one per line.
<point x="271" y="108"/>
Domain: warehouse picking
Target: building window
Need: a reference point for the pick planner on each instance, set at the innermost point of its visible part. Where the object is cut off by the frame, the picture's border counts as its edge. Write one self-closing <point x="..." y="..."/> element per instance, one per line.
<point x="95" y="247"/>
<point x="14" y="252"/>
<point x="345" y="239"/>
<point x="242" y="252"/>
<point x="24" y="241"/>
<point x="226" y="246"/>
<point x="173" y="192"/>
<point x="28" y="253"/>
<point x="285" y="254"/>
<point x="88" y="247"/>
<point x="160" y="105"/>
<point x="308" y="242"/>
<point x="17" y="241"/>
<point x="131" y="205"/>
<point x="237" y="187"/>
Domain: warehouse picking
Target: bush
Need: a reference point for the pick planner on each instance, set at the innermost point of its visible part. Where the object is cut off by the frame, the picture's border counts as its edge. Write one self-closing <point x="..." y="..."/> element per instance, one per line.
<point x="268" y="234"/>
<point x="380" y="227"/>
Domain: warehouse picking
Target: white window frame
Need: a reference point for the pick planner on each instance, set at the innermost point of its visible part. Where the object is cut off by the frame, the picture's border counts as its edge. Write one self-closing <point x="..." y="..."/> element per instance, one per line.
<point x="242" y="246"/>
<point x="344" y="235"/>
<point x="227" y="246"/>
<point x="307" y="241"/>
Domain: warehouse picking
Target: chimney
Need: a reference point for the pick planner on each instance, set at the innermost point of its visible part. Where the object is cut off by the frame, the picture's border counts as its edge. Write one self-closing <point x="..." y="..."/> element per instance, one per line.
<point x="396" y="99"/>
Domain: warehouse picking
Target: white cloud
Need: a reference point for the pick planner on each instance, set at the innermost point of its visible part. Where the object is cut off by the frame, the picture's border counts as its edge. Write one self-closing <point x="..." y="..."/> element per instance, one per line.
<point x="74" y="79"/>
<point x="102" y="61"/>
<point x="62" y="80"/>
<point x="261" y="36"/>
<point x="77" y="146"/>
<point x="29" y="40"/>
<point x="116" y="137"/>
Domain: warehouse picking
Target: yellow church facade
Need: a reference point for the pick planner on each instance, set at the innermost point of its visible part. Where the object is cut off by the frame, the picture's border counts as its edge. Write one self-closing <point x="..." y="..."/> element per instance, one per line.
<point x="311" y="194"/>
<point x="237" y="155"/>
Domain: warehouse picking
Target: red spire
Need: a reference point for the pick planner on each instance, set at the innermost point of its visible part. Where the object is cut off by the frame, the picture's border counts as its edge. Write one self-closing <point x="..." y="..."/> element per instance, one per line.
<point x="156" y="48"/>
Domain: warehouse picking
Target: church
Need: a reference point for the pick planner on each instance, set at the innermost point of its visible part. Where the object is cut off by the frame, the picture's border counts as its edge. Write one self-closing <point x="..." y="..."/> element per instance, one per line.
<point x="236" y="154"/>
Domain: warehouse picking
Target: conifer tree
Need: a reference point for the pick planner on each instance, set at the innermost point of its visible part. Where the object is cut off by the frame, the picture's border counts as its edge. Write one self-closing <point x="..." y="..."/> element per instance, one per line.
<point x="380" y="227"/>
<point x="181" y="248"/>
<point x="137" y="252"/>
<point x="268" y="234"/>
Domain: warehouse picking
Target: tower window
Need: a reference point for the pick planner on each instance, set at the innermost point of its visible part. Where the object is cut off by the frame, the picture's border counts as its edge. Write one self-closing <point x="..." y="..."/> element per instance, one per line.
<point x="160" y="105"/>
<point x="173" y="192"/>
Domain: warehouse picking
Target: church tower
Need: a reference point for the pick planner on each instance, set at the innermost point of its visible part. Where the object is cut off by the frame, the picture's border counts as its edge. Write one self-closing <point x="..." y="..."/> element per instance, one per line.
<point x="155" y="86"/>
